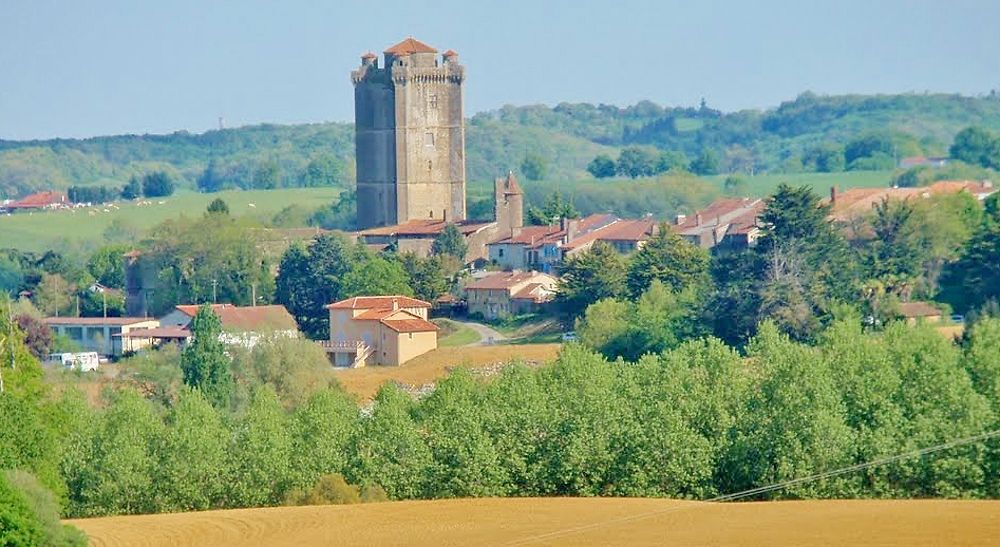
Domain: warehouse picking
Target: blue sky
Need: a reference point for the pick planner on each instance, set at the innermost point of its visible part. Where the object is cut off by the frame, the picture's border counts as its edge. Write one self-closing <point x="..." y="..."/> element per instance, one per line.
<point x="95" y="67"/>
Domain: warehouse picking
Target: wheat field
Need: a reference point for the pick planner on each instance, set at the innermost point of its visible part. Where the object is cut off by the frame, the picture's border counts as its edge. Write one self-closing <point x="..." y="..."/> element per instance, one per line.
<point x="566" y="521"/>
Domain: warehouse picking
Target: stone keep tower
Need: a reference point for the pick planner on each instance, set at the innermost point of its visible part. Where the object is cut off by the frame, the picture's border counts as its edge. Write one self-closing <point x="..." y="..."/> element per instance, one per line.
<point x="409" y="136"/>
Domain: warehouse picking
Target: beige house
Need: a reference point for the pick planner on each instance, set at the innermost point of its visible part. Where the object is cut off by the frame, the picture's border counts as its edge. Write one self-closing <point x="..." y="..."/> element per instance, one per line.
<point x="503" y="294"/>
<point x="379" y="330"/>
<point x="108" y="336"/>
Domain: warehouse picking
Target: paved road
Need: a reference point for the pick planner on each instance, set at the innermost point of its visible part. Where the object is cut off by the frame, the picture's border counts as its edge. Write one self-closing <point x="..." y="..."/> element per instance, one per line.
<point x="487" y="335"/>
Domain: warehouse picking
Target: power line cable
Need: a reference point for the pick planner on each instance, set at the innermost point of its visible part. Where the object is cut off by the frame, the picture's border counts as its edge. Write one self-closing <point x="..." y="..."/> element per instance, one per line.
<point x="763" y="489"/>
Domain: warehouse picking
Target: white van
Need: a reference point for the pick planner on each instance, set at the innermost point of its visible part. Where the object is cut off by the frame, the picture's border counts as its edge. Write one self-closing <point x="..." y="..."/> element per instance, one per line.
<point x="85" y="361"/>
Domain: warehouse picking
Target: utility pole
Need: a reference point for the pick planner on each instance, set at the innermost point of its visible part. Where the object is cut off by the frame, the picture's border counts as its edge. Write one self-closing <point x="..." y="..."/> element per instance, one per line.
<point x="104" y="299"/>
<point x="253" y="294"/>
<point x="215" y="285"/>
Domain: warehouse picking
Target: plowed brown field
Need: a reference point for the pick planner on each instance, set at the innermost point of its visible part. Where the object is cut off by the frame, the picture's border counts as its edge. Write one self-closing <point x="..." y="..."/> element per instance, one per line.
<point x="431" y="367"/>
<point x="566" y="521"/>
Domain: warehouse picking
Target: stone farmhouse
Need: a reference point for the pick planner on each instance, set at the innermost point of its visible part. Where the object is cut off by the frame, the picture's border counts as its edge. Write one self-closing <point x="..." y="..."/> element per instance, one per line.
<point x="728" y="222"/>
<point x="847" y="205"/>
<point x="503" y="294"/>
<point x="544" y="248"/>
<point x="241" y="325"/>
<point x="379" y="330"/>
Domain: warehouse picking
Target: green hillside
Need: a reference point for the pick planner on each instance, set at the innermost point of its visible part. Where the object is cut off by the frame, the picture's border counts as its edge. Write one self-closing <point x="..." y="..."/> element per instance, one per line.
<point x="87" y="227"/>
<point x="565" y="137"/>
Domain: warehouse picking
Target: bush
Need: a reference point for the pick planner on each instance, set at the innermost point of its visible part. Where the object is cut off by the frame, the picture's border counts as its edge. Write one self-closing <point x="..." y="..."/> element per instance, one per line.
<point x="329" y="489"/>
<point x="36" y="514"/>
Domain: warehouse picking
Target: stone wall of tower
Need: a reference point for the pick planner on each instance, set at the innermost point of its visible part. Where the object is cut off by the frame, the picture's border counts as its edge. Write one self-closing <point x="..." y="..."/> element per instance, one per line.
<point x="375" y="146"/>
<point x="410" y="139"/>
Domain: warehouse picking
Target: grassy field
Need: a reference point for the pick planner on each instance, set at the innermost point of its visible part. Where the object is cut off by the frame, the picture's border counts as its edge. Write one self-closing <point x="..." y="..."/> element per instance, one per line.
<point x="566" y="521"/>
<point x="430" y="367"/>
<point x="764" y="185"/>
<point x="454" y="334"/>
<point x="69" y="229"/>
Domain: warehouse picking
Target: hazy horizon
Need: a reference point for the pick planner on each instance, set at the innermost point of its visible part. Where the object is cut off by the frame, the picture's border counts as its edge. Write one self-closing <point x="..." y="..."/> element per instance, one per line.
<point x="114" y="67"/>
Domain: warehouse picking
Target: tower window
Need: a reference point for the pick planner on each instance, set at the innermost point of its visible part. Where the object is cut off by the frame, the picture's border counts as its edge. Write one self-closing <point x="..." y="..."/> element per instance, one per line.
<point x="428" y="139"/>
<point x="432" y="101"/>
<point x="432" y="213"/>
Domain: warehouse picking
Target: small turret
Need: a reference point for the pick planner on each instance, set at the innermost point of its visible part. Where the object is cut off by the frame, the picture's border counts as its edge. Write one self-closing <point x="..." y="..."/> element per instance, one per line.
<point x="368" y="59"/>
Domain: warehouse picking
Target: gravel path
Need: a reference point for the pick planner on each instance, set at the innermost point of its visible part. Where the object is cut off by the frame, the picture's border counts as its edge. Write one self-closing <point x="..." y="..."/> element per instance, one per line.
<point x="487" y="335"/>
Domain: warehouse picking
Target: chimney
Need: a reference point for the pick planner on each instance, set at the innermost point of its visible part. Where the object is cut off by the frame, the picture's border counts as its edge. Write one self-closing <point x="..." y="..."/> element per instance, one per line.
<point x="444" y="215"/>
<point x="680" y="219"/>
<point x="395" y="304"/>
<point x="563" y="223"/>
<point x="571" y="228"/>
<point x="833" y="195"/>
<point x="697" y="219"/>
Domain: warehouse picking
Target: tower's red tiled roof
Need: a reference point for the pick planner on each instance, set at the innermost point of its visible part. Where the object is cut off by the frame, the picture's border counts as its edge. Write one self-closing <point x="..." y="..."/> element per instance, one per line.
<point x="410" y="45"/>
<point x="511" y="188"/>
<point x="449" y="53"/>
<point x="368" y="55"/>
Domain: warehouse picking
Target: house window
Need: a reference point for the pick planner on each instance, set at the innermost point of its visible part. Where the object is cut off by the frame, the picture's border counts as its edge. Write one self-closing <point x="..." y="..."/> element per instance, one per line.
<point x="411" y="335"/>
<point x="432" y="213"/>
<point x="500" y="253"/>
<point x="428" y="139"/>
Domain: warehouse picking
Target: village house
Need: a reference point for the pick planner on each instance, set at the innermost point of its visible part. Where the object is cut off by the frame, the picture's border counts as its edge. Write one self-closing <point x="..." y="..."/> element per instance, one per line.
<point x="379" y="330"/>
<point x="914" y="312"/>
<point x="544" y="248"/>
<point x="851" y="204"/>
<point x="241" y="325"/>
<point x="418" y="235"/>
<point x="503" y="294"/>
<point x="108" y="336"/>
<point x="38" y="201"/>
<point x="727" y="223"/>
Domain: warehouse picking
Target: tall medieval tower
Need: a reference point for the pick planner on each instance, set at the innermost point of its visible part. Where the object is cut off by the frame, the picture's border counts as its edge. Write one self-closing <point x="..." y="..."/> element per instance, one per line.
<point x="409" y="136"/>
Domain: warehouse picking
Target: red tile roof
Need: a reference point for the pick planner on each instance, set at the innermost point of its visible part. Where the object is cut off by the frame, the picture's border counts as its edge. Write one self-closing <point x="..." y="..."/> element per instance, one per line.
<point x="378" y="302"/>
<point x="918" y="309"/>
<point x="628" y="230"/>
<point x="368" y="55"/>
<point x="408" y="46"/>
<point x="38" y="200"/>
<point x="510" y="185"/>
<point x="449" y="53"/>
<point x="415" y="324"/>
<point x="506" y="280"/>
<point x="248" y="318"/>
<point x="425" y="227"/>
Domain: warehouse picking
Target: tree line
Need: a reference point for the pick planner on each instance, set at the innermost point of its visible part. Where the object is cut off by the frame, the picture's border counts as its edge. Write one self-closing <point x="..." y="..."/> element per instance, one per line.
<point x="695" y="421"/>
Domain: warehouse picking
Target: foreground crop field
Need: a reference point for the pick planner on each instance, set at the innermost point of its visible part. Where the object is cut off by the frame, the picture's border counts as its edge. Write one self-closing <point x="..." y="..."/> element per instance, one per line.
<point x="56" y="229"/>
<point x="429" y="367"/>
<point x="566" y="521"/>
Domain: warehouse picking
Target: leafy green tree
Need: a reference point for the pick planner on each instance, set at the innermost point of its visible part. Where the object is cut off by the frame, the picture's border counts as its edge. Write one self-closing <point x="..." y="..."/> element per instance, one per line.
<point x="590" y="276"/>
<point x="426" y="276"/>
<point x="868" y="146"/>
<point x="218" y="207"/>
<point x="826" y="158"/>
<point x="54" y="295"/>
<point x="323" y="170"/>
<point x="637" y="161"/>
<point x="376" y="276"/>
<point x="19" y="525"/>
<point x="132" y="190"/>
<point x="322" y="427"/>
<point x="267" y="175"/>
<point x="340" y="215"/>
<point x="211" y="179"/>
<point x="533" y="167"/>
<point x="204" y="360"/>
<point x="107" y="265"/>
<point x="193" y="463"/>
<point x="707" y="163"/>
<point x="670" y="259"/>
<point x="670" y="160"/>
<point x="261" y="453"/>
<point x="602" y="166"/>
<point x="389" y="449"/>
<point x="101" y="304"/>
<point x="897" y="248"/>
<point x="735" y="185"/>
<point x="555" y="209"/>
<point x="44" y="506"/>
<point x="309" y="279"/>
<point x="977" y="146"/>
<point x="158" y="184"/>
<point x="116" y="471"/>
<point x="450" y="242"/>
<point x="977" y="272"/>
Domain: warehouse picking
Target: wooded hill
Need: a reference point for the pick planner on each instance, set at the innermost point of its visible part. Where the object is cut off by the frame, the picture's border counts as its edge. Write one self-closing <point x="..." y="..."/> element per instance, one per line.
<point x="565" y="138"/>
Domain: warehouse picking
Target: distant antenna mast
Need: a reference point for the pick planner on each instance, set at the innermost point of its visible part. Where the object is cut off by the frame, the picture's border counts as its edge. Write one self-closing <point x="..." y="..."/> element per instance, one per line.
<point x="222" y="125"/>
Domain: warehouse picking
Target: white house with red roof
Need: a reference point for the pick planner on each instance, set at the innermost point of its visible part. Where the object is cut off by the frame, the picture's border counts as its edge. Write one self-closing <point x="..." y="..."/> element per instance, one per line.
<point x="379" y="330"/>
